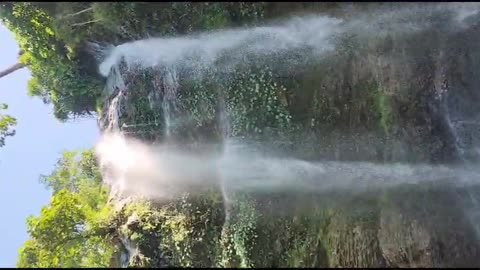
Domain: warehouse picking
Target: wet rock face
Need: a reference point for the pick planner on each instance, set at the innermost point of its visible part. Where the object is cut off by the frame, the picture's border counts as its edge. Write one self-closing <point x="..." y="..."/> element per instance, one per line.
<point x="401" y="97"/>
<point x="406" y="228"/>
<point x="415" y="230"/>
<point x="413" y="226"/>
<point x="414" y="92"/>
<point x="147" y="104"/>
<point x="397" y="97"/>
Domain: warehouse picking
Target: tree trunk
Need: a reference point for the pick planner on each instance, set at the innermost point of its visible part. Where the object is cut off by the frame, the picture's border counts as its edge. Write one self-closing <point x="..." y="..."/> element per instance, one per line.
<point x="11" y="69"/>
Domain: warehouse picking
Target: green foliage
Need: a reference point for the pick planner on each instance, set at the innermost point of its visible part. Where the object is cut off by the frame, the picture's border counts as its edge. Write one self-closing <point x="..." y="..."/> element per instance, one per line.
<point x="6" y="124"/>
<point x="58" y="223"/>
<point x="119" y="22"/>
<point x="184" y="232"/>
<point x="254" y="104"/>
<point x="99" y="106"/>
<point x="200" y="99"/>
<point x="264" y="233"/>
<point x="72" y="171"/>
<point x="78" y="226"/>
<point x="57" y="74"/>
<point x="383" y="104"/>
<point x="242" y="229"/>
<point x="140" y="107"/>
<point x="141" y="110"/>
<point x="54" y="38"/>
<point x="72" y="230"/>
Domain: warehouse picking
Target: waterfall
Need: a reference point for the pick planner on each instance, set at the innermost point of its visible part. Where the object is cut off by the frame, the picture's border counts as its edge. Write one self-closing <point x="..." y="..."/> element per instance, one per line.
<point x="170" y="95"/>
<point x="166" y="85"/>
<point x="115" y="88"/>
<point x="289" y="45"/>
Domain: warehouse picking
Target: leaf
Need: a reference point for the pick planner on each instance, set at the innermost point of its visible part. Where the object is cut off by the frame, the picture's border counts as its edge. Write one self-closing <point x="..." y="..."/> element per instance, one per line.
<point x="49" y="31"/>
<point x="66" y="233"/>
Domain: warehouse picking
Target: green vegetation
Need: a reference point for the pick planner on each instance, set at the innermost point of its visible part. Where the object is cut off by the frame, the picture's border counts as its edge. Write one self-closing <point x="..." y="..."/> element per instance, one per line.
<point x="200" y="99"/>
<point x="79" y="228"/>
<point x="55" y="39"/>
<point x="57" y="73"/>
<point x="255" y="104"/>
<point x="341" y="97"/>
<point x="71" y="231"/>
<point x="383" y="103"/>
<point x="7" y="123"/>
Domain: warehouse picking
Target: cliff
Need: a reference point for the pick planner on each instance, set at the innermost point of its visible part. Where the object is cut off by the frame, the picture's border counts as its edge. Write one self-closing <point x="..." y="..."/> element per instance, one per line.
<point x="403" y="90"/>
<point x="258" y="134"/>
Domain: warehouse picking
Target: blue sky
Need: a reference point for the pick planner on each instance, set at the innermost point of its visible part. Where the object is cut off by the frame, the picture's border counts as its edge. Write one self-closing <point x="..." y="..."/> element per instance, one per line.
<point x="33" y="151"/>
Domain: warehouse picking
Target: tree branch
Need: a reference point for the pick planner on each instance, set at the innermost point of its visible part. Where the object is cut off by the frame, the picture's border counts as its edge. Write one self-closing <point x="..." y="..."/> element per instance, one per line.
<point x="76" y="13"/>
<point x="11" y="69"/>
<point x="84" y="23"/>
<point x="83" y="236"/>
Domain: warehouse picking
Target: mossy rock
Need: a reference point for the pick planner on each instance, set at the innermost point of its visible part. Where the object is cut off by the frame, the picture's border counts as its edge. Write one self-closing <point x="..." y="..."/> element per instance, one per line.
<point x="351" y="234"/>
<point x="427" y="227"/>
<point x="184" y="232"/>
<point x="421" y="225"/>
<point x="262" y="232"/>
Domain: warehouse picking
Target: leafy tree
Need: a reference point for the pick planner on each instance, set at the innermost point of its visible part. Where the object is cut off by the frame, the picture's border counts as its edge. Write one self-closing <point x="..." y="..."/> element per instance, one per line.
<point x="56" y="40"/>
<point x="6" y="124"/>
<point x="72" y="230"/>
<point x="72" y="170"/>
<point x="55" y="68"/>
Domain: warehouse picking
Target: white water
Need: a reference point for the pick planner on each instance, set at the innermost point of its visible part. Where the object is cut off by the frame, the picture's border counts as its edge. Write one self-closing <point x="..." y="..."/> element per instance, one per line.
<point x="114" y="82"/>
<point x="297" y="39"/>
<point x="204" y="49"/>
<point x="163" y="173"/>
<point x="309" y="35"/>
<point x="170" y="96"/>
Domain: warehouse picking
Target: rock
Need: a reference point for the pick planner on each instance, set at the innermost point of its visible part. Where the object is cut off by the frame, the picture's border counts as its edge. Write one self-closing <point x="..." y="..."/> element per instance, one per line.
<point x="427" y="229"/>
<point x="389" y="96"/>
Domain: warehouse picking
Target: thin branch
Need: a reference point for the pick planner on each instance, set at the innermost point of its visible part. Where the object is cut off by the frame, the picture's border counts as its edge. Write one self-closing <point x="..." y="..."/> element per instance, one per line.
<point x="76" y="13"/>
<point x="85" y="23"/>
<point x="11" y="69"/>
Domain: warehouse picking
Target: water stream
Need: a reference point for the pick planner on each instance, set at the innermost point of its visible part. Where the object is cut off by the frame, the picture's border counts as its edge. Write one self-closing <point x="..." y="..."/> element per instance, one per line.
<point x="161" y="172"/>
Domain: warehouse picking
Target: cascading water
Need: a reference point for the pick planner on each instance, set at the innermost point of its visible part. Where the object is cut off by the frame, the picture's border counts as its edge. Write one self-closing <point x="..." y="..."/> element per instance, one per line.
<point x="166" y="170"/>
<point x="115" y="87"/>
<point x="207" y="51"/>
<point x="171" y="54"/>
<point x="169" y="93"/>
<point x="160" y="173"/>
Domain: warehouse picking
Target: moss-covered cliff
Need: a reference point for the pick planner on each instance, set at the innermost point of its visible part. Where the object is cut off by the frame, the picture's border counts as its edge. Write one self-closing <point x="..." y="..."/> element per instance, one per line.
<point x="400" y="85"/>
<point x="406" y="226"/>
<point x="381" y="97"/>
<point x="394" y="96"/>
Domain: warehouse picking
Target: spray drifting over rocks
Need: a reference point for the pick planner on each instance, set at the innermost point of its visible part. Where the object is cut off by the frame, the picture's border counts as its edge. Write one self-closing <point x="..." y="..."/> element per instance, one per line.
<point x="204" y="50"/>
<point x="162" y="172"/>
<point x="309" y="36"/>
